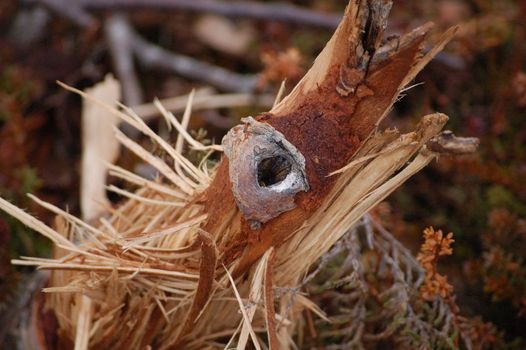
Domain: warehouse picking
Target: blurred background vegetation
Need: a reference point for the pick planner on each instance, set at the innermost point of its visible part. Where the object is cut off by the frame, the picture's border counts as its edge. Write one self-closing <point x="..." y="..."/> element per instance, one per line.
<point x="479" y="81"/>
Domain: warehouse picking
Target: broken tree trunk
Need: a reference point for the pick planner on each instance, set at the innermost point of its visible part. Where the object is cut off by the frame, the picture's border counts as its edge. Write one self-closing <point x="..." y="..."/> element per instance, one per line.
<point x="173" y="267"/>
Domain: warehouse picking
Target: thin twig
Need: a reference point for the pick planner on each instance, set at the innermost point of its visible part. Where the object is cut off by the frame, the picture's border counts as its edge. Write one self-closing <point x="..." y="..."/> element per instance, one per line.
<point x="73" y="12"/>
<point x="280" y="12"/>
<point x="117" y="35"/>
<point x="122" y="37"/>
<point x="152" y="55"/>
<point x="447" y="143"/>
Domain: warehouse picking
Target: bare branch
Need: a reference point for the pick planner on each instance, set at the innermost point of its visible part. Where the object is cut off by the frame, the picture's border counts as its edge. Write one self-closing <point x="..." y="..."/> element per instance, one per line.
<point x="447" y="143"/>
<point x="117" y="34"/>
<point x="152" y="55"/>
<point x="122" y="37"/>
<point x="74" y="12"/>
<point x="236" y="9"/>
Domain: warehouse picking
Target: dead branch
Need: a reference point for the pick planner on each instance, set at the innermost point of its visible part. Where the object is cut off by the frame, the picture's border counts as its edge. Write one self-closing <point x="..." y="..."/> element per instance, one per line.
<point x="154" y="56"/>
<point x="338" y="104"/>
<point x="119" y="42"/>
<point x="122" y="39"/>
<point x="75" y="10"/>
<point x="447" y="143"/>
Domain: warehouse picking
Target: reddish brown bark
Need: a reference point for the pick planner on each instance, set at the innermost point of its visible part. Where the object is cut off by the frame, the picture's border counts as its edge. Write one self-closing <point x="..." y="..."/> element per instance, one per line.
<point x="327" y="128"/>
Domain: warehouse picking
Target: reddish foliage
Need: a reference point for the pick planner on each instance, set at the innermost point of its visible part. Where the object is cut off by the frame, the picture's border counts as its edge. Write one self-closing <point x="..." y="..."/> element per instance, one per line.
<point x="434" y="246"/>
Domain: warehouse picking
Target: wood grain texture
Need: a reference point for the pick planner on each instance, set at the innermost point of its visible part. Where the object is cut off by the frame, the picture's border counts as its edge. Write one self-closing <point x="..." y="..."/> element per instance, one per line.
<point x="325" y="124"/>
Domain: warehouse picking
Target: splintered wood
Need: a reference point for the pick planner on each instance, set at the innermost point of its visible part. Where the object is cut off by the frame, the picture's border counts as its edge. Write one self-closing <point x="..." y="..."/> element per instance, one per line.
<point x="195" y="259"/>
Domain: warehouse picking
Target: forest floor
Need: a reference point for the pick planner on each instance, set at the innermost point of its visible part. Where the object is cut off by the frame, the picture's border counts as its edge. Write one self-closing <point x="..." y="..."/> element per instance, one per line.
<point x="479" y="81"/>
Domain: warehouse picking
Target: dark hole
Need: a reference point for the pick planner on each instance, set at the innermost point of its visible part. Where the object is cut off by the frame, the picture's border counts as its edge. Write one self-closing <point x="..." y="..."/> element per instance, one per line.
<point x="273" y="170"/>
